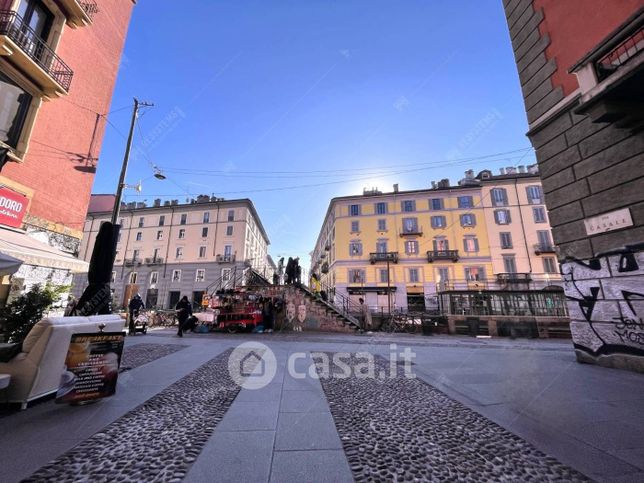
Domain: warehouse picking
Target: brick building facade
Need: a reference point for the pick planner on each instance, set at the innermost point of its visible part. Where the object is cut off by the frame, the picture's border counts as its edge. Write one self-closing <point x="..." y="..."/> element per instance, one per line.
<point x="581" y="69"/>
<point x="59" y="61"/>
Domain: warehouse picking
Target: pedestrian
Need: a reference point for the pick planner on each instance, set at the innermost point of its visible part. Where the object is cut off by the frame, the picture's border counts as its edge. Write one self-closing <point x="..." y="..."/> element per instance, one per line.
<point x="268" y="314"/>
<point x="365" y="315"/>
<point x="184" y="311"/>
<point x="71" y="305"/>
<point x="135" y="306"/>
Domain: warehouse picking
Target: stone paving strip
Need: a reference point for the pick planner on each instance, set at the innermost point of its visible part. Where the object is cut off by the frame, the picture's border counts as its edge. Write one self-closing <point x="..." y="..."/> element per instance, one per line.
<point x="156" y="442"/>
<point x="140" y="354"/>
<point x="402" y="429"/>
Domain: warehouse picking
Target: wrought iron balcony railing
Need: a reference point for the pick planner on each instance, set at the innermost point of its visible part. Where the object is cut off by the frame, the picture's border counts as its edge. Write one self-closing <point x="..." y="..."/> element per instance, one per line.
<point x="383" y="257"/>
<point x="540" y="248"/>
<point x="630" y="44"/>
<point x="90" y="8"/>
<point x="18" y="31"/>
<point x="154" y="261"/>
<point x="225" y="258"/>
<point x="513" y="277"/>
<point x="442" y="255"/>
<point x="131" y="262"/>
<point x="415" y="231"/>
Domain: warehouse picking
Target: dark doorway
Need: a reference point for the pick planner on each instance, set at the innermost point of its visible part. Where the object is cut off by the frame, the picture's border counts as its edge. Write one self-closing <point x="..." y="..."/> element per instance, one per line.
<point x="197" y="297"/>
<point x="416" y="302"/>
<point x="173" y="299"/>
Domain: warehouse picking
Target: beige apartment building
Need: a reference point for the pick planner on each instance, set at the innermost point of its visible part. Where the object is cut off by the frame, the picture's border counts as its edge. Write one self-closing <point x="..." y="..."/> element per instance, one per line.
<point x="169" y="250"/>
<point x="400" y="250"/>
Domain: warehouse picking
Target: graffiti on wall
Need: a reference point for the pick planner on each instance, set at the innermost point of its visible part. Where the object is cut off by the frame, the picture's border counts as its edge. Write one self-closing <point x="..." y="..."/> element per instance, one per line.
<point x="606" y="301"/>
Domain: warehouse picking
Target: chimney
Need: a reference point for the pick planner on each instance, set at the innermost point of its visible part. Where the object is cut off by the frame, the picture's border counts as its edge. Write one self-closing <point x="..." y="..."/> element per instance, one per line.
<point x="396" y="188"/>
<point x="533" y="169"/>
<point x="157" y="202"/>
<point x="511" y="170"/>
<point x="433" y="185"/>
<point x="469" y="174"/>
<point x="521" y="168"/>
<point x="166" y="203"/>
<point x="502" y="171"/>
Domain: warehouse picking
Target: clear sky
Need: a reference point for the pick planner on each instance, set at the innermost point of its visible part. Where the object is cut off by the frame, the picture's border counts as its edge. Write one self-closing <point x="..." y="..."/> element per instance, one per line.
<point x="312" y="99"/>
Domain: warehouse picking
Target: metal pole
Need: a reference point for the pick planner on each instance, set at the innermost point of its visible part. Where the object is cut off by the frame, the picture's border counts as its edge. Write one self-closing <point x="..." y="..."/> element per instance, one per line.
<point x="119" y="189"/>
<point x="388" y="287"/>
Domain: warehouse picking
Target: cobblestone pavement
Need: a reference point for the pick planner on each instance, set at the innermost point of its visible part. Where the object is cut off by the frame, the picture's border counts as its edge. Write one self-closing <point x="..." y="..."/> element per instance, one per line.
<point x="140" y="354"/>
<point x="157" y="441"/>
<point x="402" y="429"/>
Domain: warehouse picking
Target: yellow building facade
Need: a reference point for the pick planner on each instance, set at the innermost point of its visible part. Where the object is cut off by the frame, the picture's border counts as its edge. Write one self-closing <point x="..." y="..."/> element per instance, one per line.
<point x="398" y="250"/>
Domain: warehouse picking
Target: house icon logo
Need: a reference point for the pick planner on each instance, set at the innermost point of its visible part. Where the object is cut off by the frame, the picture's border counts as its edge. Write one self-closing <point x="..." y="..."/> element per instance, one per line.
<point x="252" y="365"/>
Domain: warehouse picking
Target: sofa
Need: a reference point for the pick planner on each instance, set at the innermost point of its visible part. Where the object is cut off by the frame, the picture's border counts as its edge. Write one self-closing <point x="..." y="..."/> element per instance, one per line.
<point x="37" y="370"/>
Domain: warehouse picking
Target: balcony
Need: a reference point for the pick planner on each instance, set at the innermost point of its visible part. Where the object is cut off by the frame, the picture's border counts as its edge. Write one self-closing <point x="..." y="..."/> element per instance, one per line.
<point x="611" y="76"/>
<point x="433" y="255"/>
<point x="154" y="261"/>
<point x="541" y="248"/>
<point x="132" y="262"/>
<point x="376" y="257"/>
<point x="225" y="258"/>
<point x="80" y="13"/>
<point x="33" y="56"/>
<point x="324" y="268"/>
<point x="415" y="231"/>
<point x="506" y="278"/>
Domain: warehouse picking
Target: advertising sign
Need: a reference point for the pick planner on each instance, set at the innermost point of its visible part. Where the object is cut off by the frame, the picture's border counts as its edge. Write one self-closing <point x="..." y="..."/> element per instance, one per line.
<point x="13" y="207"/>
<point x="91" y="367"/>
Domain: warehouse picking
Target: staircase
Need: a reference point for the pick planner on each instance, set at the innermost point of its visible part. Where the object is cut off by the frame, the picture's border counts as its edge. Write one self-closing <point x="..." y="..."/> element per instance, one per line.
<point x="343" y="310"/>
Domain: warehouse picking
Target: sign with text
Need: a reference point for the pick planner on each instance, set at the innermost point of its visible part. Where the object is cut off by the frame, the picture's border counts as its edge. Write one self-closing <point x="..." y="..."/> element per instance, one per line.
<point x="91" y="367"/>
<point x="615" y="220"/>
<point x="13" y="207"/>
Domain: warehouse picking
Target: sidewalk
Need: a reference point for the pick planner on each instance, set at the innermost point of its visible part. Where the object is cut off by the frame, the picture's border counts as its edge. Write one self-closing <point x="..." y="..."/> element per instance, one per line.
<point x="587" y="417"/>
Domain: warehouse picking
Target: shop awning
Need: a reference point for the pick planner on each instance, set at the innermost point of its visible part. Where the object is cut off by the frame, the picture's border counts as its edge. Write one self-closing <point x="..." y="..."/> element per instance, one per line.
<point x="32" y="252"/>
<point x="8" y="265"/>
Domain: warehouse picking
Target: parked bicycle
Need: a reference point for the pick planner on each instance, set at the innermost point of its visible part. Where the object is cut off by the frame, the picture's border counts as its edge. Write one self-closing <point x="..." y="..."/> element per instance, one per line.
<point x="164" y="318"/>
<point x="401" y="323"/>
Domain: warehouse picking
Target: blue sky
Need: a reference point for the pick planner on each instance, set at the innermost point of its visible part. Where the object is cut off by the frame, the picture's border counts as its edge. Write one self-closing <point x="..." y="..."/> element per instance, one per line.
<point x="313" y="99"/>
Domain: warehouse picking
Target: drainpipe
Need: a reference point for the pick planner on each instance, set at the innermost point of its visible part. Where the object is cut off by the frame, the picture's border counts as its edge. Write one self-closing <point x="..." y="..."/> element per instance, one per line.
<point x="525" y="241"/>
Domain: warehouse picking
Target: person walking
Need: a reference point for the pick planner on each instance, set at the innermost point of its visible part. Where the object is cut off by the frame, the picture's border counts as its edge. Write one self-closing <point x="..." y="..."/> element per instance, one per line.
<point x="365" y="315"/>
<point x="184" y="311"/>
<point x="135" y="306"/>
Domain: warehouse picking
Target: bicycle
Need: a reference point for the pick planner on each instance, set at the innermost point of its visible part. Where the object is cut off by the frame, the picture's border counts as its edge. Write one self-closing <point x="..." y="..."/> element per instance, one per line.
<point x="164" y="318"/>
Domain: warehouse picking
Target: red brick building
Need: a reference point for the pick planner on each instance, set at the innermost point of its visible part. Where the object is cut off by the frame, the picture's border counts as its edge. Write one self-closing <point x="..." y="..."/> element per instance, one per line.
<point x="581" y="69"/>
<point x="59" y="61"/>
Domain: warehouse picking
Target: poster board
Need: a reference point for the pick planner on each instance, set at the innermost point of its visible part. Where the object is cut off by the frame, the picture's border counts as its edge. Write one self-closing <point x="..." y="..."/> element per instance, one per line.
<point x="91" y="367"/>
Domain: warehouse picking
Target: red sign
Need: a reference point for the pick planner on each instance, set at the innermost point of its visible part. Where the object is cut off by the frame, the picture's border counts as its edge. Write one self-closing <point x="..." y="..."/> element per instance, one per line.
<point x="13" y="207"/>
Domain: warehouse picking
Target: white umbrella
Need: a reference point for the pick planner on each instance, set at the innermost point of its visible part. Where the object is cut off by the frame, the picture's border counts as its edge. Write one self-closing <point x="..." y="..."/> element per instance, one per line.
<point x="8" y="264"/>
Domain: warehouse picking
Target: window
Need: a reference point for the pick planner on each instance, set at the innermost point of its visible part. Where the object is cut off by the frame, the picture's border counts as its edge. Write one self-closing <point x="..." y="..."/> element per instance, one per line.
<point x="162" y="220"/>
<point x="139" y="236"/>
<point x="534" y="194"/>
<point x="160" y="235"/>
<point x="381" y="208"/>
<point x="200" y="275"/>
<point x="474" y="274"/>
<point x="440" y="244"/>
<point x="176" y="275"/>
<point x="408" y="206"/>
<point x="204" y="232"/>
<point x="184" y="219"/>
<point x="113" y="277"/>
<point x="154" y="278"/>
<point x="382" y="225"/>
<point x="15" y="106"/>
<point x="502" y="217"/>
<point x="539" y="214"/>
<point x="436" y="203"/>
<point x="225" y="274"/>
<point x="550" y="265"/>
<point x="468" y="219"/>
<point x="506" y="239"/>
<point x="411" y="247"/>
<point x="179" y="252"/>
<point x="202" y="252"/>
<point x="413" y="275"/>
<point x="229" y="230"/>
<point x="355" y="226"/>
<point x="499" y="197"/>
<point x="354" y="210"/>
<point x="544" y="238"/>
<point x="39" y="18"/>
<point x="231" y="215"/>
<point x="470" y="244"/>
<point x="155" y="256"/>
<point x="410" y="225"/>
<point x="465" y="202"/>
<point x="509" y="264"/>
<point x="228" y="251"/>
<point x="135" y="254"/>
<point x="141" y="222"/>
<point x="443" y="274"/>
<point x="206" y="217"/>
<point x="439" y="222"/>
<point x="356" y="276"/>
<point x="355" y="249"/>
<point x="182" y="233"/>
<point x="133" y="277"/>
<point x="381" y="246"/>
<point x="384" y="275"/>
